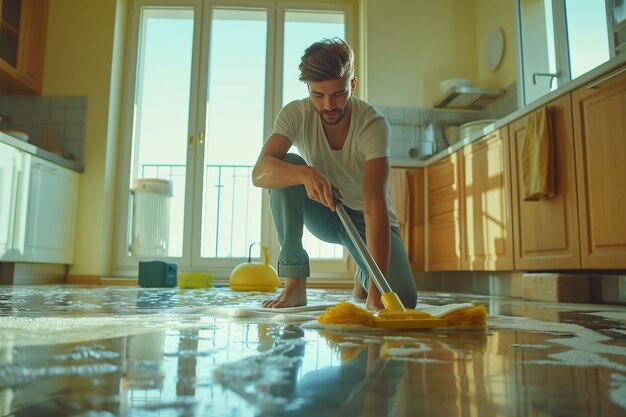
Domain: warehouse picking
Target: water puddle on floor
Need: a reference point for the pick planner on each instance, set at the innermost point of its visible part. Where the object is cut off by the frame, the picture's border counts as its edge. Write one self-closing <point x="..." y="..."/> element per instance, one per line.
<point x="124" y="351"/>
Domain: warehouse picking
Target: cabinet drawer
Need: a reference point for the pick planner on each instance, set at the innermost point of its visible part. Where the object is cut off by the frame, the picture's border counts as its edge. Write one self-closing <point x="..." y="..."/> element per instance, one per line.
<point x="443" y="175"/>
<point x="442" y="203"/>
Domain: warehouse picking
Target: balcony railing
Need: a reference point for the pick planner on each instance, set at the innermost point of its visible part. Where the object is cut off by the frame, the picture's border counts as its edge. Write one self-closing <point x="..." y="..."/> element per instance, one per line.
<point x="231" y="211"/>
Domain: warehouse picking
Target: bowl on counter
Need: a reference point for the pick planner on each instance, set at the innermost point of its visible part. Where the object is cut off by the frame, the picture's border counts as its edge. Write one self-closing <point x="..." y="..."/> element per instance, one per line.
<point x="445" y="85"/>
<point x="16" y="134"/>
<point x="470" y="128"/>
<point x="451" y="133"/>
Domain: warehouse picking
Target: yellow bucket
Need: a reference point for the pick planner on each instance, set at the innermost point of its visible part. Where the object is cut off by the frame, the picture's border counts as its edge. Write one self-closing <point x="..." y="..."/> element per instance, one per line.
<point x="194" y="280"/>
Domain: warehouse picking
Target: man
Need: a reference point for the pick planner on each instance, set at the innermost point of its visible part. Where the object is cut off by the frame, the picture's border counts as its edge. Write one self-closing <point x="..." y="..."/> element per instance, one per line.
<point x="345" y="145"/>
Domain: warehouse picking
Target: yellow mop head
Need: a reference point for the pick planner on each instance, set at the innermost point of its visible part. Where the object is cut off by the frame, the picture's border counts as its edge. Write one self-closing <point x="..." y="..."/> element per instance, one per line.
<point x="346" y="313"/>
<point x="475" y="316"/>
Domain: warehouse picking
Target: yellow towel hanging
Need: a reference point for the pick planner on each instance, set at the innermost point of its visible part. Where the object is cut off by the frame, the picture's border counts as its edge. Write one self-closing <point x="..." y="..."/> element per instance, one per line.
<point x="538" y="171"/>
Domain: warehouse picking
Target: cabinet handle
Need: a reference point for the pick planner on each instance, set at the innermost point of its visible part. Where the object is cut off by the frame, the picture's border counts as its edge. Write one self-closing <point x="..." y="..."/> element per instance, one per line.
<point x="605" y="79"/>
<point x="19" y="216"/>
<point x="13" y="209"/>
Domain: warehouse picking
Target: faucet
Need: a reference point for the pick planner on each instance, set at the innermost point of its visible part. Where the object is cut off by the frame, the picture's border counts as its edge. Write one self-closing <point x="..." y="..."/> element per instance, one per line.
<point x="4" y="118"/>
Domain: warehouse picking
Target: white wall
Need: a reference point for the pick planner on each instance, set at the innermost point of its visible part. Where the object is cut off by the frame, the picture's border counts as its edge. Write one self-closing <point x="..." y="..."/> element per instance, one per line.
<point x="412" y="45"/>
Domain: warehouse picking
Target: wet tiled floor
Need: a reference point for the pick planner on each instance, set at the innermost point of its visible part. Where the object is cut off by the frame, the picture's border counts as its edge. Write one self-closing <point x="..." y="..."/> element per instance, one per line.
<point x="125" y="351"/>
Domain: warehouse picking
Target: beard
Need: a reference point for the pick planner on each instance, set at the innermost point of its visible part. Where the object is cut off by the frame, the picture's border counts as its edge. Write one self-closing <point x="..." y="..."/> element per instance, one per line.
<point x="336" y="115"/>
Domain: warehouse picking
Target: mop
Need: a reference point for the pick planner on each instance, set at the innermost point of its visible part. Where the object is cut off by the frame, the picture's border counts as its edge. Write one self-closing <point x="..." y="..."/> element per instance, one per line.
<point x="394" y="315"/>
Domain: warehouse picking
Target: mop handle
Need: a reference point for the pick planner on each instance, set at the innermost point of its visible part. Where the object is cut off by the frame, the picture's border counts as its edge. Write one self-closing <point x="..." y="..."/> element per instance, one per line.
<point x="372" y="267"/>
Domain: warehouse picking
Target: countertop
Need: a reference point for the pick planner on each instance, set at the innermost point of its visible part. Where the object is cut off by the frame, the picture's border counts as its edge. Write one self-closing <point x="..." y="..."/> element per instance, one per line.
<point x="564" y="89"/>
<point x="39" y="152"/>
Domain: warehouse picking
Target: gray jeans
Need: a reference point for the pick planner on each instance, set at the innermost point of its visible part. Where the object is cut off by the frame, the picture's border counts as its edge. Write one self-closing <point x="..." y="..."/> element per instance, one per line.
<point x="292" y="210"/>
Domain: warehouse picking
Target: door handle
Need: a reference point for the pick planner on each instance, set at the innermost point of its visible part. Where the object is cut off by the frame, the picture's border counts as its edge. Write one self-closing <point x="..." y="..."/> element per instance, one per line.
<point x="552" y="75"/>
<point x="201" y="137"/>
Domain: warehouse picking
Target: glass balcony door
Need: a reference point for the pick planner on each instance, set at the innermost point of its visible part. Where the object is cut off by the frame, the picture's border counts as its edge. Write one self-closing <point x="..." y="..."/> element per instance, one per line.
<point x="206" y="87"/>
<point x="235" y="124"/>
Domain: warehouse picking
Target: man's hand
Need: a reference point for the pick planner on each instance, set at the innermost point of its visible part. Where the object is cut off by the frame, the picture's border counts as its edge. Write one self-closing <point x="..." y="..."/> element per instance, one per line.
<point x="319" y="188"/>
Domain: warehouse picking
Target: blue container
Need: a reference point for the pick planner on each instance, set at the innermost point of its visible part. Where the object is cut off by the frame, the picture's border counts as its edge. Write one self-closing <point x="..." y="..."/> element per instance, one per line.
<point x="157" y="274"/>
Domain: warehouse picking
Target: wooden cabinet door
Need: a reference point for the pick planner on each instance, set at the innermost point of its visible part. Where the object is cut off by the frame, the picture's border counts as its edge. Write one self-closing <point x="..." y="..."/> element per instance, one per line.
<point x="52" y="205"/>
<point x="445" y="238"/>
<point x="415" y="180"/>
<point x="23" y="38"/>
<point x="487" y="204"/>
<point x="546" y="231"/>
<point x="599" y="110"/>
<point x="406" y="187"/>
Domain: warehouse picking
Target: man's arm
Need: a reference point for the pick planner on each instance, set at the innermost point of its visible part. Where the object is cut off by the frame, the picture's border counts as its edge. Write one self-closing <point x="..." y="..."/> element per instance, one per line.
<point x="377" y="228"/>
<point x="270" y="171"/>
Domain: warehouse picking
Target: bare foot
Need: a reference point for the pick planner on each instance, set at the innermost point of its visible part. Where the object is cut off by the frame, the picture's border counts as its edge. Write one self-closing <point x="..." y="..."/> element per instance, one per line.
<point x="373" y="301"/>
<point x="374" y="304"/>
<point x="358" y="292"/>
<point x="292" y="295"/>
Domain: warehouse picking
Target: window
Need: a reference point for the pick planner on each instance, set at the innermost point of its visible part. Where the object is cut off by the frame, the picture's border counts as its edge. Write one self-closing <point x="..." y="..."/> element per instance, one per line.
<point x="207" y="88"/>
<point x="559" y="40"/>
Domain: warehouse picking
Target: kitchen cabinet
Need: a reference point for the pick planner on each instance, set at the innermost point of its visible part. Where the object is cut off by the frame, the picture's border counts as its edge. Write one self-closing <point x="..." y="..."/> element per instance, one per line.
<point x="38" y="203"/>
<point x="546" y="231"/>
<point x="13" y="194"/>
<point x="51" y="219"/>
<point x="445" y="232"/>
<point x="600" y="142"/>
<point x="486" y="207"/>
<point x="22" y="45"/>
<point x="406" y="188"/>
<point x="415" y="181"/>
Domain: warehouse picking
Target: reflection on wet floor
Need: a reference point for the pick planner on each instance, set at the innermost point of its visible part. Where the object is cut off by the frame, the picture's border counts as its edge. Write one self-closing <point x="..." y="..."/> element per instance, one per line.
<point x="124" y="351"/>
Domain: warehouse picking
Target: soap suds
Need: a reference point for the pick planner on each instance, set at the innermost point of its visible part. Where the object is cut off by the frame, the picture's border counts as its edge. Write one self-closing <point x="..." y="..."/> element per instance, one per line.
<point x="32" y="331"/>
<point x="586" y="346"/>
<point x="407" y="351"/>
<point x="191" y="353"/>
<point x="618" y="390"/>
<point x="529" y="346"/>
<point x="83" y="353"/>
<point x="579" y="358"/>
<point x="250" y="377"/>
<point x="180" y="403"/>
<point x="418" y="360"/>
<point x="613" y="315"/>
<point x="13" y="375"/>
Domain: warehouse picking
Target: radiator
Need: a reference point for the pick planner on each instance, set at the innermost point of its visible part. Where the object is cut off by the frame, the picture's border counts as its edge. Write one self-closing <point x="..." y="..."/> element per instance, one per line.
<point x="151" y="216"/>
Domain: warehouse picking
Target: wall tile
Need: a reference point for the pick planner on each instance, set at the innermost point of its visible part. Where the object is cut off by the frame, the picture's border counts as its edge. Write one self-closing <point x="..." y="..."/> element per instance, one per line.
<point x="396" y="115"/>
<point x="61" y="117"/>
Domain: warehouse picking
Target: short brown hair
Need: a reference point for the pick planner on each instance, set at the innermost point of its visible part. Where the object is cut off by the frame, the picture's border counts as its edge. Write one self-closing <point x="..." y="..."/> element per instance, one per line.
<point x="328" y="59"/>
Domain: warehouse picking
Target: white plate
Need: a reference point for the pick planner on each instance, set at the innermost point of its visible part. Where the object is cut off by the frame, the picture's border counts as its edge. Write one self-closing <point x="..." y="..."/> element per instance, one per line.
<point x="494" y="47"/>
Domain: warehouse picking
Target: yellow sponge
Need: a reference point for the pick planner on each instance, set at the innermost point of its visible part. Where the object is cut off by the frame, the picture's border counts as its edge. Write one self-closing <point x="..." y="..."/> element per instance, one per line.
<point x="195" y="280"/>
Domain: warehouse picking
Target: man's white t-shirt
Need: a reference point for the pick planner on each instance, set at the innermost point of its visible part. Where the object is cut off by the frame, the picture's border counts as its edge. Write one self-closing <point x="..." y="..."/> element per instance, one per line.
<point x="368" y="138"/>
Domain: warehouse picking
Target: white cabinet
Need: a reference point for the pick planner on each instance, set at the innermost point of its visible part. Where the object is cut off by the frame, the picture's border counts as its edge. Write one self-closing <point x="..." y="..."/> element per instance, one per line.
<point x="38" y="202"/>
<point x="51" y="219"/>
<point x="14" y="170"/>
